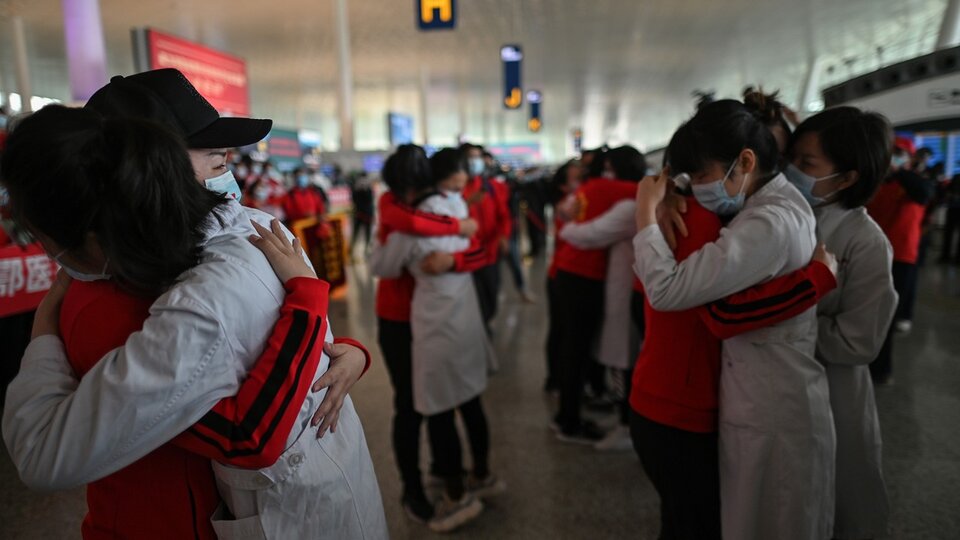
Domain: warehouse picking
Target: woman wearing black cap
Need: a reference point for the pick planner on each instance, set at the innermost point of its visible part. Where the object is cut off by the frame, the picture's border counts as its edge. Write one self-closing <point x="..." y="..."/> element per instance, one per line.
<point x="211" y="324"/>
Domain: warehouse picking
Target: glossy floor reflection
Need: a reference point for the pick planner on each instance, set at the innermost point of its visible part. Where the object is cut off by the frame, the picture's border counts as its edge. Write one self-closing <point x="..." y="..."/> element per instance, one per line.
<point x="561" y="491"/>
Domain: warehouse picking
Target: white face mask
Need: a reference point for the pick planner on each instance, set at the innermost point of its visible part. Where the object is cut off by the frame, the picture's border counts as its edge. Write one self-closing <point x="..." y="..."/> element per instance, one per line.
<point x="805" y="183"/>
<point x="225" y="184"/>
<point x="714" y="197"/>
<point x="80" y="276"/>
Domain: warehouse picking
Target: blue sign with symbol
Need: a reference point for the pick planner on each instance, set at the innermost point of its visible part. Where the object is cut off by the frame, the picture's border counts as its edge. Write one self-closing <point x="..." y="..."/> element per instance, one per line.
<point x="535" y="123"/>
<point x="512" y="57"/>
<point x="437" y="14"/>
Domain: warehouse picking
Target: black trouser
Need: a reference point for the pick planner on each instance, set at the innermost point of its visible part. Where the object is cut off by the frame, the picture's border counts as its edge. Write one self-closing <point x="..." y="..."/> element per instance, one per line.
<point x="882" y="367"/>
<point x="638" y="319"/>
<point x="581" y="312"/>
<point x="396" y="341"/>
<point x="951" y="227"/>
<point x="553" y="335"/>
<point x="361" y="224"/>
<point x="514" y="263"/>
<point x="684" y="469"/>
<point x="445" y="443"/>
<point x="487" y="282"/>
<point x="905" y="282"/>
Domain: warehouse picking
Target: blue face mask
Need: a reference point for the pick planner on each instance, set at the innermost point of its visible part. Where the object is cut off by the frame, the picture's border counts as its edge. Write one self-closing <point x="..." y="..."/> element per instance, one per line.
<point x="303" y="181"/>
<point x="226" y="184"/>
<point x="804" y="183"/>
<point x="714" y="197"/>
<point x="80" y="276"/>
<point x="477" y="166"/>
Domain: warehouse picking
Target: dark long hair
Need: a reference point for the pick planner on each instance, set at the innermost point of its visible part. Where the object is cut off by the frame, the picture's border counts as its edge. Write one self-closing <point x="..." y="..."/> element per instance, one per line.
<point x="627" y="163"/>
<point x="406" y="167"/>
<point x="71" y="172"/>
<point x="445" y="163"/>
<point x="719" y="132"/>
<point x="854" y="140"/>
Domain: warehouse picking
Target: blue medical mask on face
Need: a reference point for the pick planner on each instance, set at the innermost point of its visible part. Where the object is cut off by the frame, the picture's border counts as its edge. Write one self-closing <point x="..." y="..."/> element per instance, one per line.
<point x="80" y="276"/>
<point x="714" y="197"/>
<point x="477" y="166"/>
<point x="225" y="184"/>
<point x="303" y="181"/>
<point x="804" y="183"/>
<point x="901" y="160"/>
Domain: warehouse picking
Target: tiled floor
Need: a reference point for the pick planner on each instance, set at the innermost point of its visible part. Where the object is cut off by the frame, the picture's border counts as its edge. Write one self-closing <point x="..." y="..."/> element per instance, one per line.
<point x="558" y="491"/>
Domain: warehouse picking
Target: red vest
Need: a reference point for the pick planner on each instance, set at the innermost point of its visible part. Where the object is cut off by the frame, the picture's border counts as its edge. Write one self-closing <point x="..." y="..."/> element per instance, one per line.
<point x="169" y="493"/>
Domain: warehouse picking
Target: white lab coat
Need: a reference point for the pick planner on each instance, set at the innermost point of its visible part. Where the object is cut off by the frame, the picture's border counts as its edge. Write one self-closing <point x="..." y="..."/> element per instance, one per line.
<point x="612" y="230"/>
<point x="201" y="338"/>
<point x="853" y="321"/>
<point x="451" y="351"/>
<point x="777" y="442"/>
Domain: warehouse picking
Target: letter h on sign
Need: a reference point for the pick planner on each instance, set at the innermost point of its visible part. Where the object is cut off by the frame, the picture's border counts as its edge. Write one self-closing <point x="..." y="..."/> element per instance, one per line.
<point x="437" y="14"/>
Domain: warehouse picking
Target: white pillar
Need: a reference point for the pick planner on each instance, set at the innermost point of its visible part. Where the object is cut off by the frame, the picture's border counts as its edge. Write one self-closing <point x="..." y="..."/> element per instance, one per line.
<point x="811" y="86"/>
<point x="86" y="52"/>
<point x="950" y="29"/>
<point x="345" y="90"/>
<point x="424" y="105"/>
<point x="462" y="108"/>
<point x="22" y="65"/>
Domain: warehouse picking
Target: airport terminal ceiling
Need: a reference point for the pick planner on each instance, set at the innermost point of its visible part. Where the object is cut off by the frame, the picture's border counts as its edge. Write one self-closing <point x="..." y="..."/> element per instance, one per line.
<point x="623" y="70"/>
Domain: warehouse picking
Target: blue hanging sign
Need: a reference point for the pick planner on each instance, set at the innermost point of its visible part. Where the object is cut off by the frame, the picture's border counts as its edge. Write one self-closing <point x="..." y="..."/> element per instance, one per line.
<point x="535" y="122"/>
<point x="512" y="56"/>
<point x="436" y="14"/>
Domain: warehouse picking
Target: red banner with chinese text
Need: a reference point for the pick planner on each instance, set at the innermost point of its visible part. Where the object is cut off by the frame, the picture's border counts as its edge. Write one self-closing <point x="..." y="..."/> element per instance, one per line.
<point x="26" y="274"/>
<point x="218" y="76"/>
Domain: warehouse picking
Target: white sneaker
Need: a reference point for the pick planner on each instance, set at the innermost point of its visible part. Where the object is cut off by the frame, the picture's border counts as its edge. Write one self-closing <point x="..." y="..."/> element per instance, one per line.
<point x="450" y="514"/>
<point x="903" y="327"/>
<point x="617" y="440"/>
<point x="488" y="487"/>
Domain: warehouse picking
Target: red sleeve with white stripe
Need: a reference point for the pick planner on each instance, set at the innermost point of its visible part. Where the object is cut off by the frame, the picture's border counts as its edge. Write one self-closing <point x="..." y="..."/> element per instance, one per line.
<point x="250" y="429"/>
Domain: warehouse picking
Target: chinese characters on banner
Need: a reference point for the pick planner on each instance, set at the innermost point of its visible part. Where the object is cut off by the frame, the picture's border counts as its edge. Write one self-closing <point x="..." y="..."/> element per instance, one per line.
<point x="220" y="77"/>
<point x="26" y="274"/>
<point x="324" y="243"/>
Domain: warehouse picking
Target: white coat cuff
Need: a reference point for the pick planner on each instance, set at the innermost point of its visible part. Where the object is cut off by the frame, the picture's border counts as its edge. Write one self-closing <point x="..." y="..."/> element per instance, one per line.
<point x="46" y="347"/>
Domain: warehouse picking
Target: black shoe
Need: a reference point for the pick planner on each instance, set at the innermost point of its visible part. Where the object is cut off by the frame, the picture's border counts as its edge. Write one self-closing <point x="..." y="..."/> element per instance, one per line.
<point x="587" y="433"/>
<point x="418" y="508"/>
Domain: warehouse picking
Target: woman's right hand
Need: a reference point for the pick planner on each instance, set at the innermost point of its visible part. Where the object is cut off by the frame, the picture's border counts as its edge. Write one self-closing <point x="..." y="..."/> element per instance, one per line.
<point x="468" y="227"/>
<point x="670" y="217"/>
<point x="829" y="259"/>
<point x="285" y="257"/>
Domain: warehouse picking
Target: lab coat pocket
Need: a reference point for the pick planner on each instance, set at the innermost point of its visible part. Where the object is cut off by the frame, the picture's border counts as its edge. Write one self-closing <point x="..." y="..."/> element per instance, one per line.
<point x="263" y="498"/>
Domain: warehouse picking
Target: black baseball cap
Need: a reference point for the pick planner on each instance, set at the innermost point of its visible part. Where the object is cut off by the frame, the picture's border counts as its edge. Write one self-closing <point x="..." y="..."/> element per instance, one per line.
<point x="167" y="97"/>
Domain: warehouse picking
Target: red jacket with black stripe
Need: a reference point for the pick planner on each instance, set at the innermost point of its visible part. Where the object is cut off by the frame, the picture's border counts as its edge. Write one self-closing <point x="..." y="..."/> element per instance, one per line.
<point x="394" y="295"/>
<point x="677" y="373"/>
<point x="171" y="492"/>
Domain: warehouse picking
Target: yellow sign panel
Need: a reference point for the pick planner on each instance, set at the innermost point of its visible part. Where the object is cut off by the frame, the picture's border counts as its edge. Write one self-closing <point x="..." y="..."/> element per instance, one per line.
<point x="534" y="124"/>
<point x="443" y="8"/>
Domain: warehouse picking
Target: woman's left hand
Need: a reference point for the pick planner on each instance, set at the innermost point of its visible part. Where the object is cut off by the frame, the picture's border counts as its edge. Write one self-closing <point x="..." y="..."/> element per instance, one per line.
<point x="47" y="319"/>
<point x="284" y="256"/>
<point x="650" y="193"/>
<point x="346" y="366"/>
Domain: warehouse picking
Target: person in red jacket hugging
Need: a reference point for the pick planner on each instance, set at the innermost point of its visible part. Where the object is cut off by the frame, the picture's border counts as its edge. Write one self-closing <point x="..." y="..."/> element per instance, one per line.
<point x="580" y="288"/>
<point x="898" y="208"/>
<point x="489" y="206"/>
<point x="393" y="301"/>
